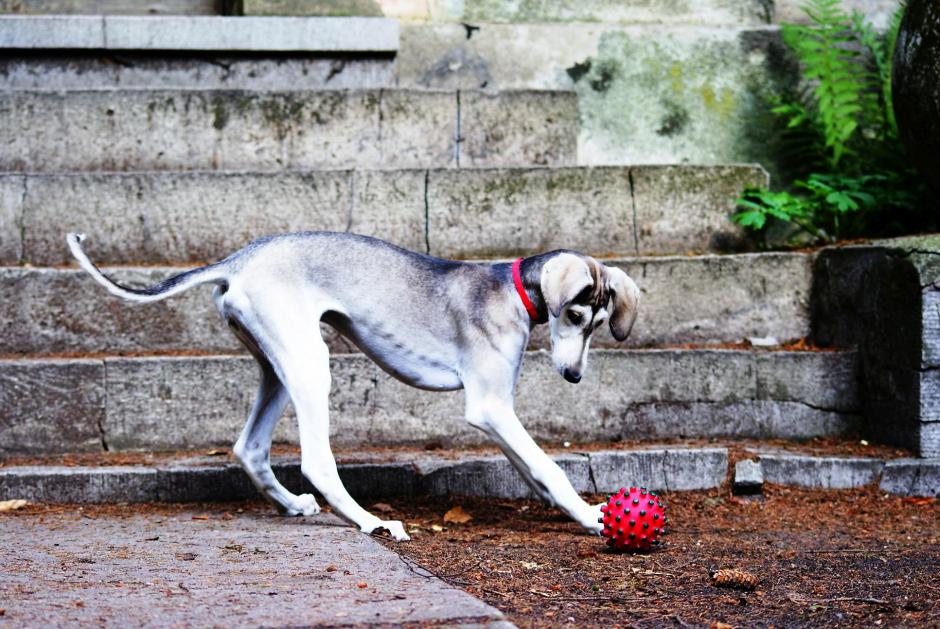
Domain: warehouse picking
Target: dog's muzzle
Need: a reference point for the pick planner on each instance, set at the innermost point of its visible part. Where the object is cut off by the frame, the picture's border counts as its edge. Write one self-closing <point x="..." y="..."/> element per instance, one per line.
<point x="572" y="376"/>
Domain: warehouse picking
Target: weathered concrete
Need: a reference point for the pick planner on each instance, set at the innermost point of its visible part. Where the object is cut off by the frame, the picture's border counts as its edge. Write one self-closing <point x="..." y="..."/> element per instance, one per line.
<point x="654" y="95"/>
<point x="84" y="70"/>
<point x="177" y="217"/>
<point x="112" y="7"/>
<point x="318" y="8"/>
<point x="672" y="469"/>
<point x="679" y="209"/>
<point x="198" y="217"/>
<point x="885" y="299"/>
<point x="538" y="128"/>
<point x="114" y="32"/>
<point x="698" y="299"/>
<point x="604" y="11"/>
<point x="822" y="472"/>
<point x="12" y="193"/>
<point x="265" y="131"/>
<point x="748" y="477"/>
<point x="912" y="477"/>
<point x="877" y="11"/>
<point x="189" y="402"/>
<point x="510" y="212"/>
<point x="494" y="476"/>
<point x="242" y="570"/>
<point x="51" y="405"/>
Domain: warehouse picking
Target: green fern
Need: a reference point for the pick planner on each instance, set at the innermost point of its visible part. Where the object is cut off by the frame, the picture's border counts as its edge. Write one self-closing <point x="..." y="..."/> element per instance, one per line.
<point x="830" y="60"/>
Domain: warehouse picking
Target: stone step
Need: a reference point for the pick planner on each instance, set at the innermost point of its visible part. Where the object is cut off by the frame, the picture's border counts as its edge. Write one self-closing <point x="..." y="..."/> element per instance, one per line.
<point x="188" y="33"/>
<point x="84" y="70"/>
<point x="413" y="473"/>
<point x="173" y="217"/>
<point x="113" y="7"/>
<point x="647" y="94"/>
<point x="122" y="130"/>
<point x="419" y="473"/>
<point x="706" y="299"/>
<point x="180" y="402"/>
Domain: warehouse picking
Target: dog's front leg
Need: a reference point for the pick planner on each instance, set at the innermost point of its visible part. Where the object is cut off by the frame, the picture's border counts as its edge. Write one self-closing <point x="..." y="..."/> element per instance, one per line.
<point x="490" y="408"/>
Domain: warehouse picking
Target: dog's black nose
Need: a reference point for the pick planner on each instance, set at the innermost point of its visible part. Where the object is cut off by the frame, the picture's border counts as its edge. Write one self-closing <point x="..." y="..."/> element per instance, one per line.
<point x="571" y="376"/>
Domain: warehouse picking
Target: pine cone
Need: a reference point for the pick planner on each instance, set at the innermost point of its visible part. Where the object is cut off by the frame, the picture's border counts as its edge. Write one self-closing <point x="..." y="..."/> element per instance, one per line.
<point x="732" y="578"/>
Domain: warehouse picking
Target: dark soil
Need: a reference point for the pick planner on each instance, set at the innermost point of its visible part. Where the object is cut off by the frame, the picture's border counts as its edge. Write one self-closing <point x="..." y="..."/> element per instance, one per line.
<point x="854" y="558"/>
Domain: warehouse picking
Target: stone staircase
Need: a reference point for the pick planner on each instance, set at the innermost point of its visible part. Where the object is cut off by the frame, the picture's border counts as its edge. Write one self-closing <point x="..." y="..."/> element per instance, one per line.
<point x="168" y="155"/>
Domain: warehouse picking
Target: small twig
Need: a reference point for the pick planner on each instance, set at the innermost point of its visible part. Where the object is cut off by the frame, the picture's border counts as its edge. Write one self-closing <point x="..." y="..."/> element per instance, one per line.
<point x="681" y="622"/>
<point x="544" y="594"/>
<point x="489" y="591"/>
<point x="842" y="550"/>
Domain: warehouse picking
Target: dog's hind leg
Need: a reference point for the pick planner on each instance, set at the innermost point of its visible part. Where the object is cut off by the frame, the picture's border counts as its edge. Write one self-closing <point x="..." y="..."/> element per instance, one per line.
<point x="301" y="359"/>
<point x="253" y="448"/>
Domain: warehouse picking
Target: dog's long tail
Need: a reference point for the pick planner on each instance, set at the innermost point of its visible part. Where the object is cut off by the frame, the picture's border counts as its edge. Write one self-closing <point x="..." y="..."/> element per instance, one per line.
<point x="211" y="274"/>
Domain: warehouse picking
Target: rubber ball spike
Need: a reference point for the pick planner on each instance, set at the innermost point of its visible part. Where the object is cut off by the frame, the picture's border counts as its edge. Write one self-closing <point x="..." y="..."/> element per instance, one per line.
<point x="648" y="517"/>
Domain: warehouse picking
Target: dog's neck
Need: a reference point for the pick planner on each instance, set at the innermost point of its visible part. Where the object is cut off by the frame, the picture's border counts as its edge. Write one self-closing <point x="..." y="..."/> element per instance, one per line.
<point x="531" y="272"/>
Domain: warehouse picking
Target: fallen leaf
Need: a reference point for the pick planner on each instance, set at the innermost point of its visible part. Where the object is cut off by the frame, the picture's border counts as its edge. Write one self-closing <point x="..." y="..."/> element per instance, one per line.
<point x="530" y="565"/>
<point x="331" y="568"/>
<point x="362" y="585"/>
<point x="913" y="501"/>
<point x="457" y="515"/>
<point x="383" y="507"/>
<point x="437" y="528"/>
<point x="216" y="452"/>
<point x="186" y="556"/>
<point x="200" y="517"/>
<point x="152" y="539"/>
<point x="583" y="554"/>
<point x="12" y="505"/>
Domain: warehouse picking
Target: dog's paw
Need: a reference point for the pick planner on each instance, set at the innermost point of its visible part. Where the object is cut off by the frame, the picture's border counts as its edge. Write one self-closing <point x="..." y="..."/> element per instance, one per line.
<point x="304" y="504"/>
<point x="591" y="520"/>
<point x="394" y="527"/>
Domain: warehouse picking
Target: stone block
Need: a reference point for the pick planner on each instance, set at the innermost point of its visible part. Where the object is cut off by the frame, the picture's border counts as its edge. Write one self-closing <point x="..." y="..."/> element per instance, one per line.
<point x="177" y="217"/>
<point x="510" y="212"/>
<point x="680" y="209"/>
<point x="707" y="299"/>
<point x="12" y="192"/>
<point x="671" y="469"/>
<point x="50" y="484"/>
<point x="380" y="480"/>
<point x="51" y="406"/>
<point x="517" y="128"/>
<point x="110" y="7"/>
<point x="77" y="70"/>
<point x="603" y="11"/>
<point x="51" y="31"/>
<point x="203" y="483"/>
<point x="885" y="300"/>
<point x="322" y="8"/>
<point x="492" y="476"/>
<point x="235" y="130"/>
<point x="390" y="205"/>
<point x="912" y="477"/>
<point x="242" y="34"/>
<point x="748" y="477"/>
<point x="820" y="472"/>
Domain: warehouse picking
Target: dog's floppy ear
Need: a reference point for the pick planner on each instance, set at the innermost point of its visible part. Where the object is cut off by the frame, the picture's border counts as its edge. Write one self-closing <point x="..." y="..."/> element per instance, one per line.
<point x="624" y="299"/>
<point x="563" y="277"/>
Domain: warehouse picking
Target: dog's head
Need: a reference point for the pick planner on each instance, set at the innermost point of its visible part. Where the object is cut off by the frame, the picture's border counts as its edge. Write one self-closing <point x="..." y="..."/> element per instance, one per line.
<point x="581" y="294"/>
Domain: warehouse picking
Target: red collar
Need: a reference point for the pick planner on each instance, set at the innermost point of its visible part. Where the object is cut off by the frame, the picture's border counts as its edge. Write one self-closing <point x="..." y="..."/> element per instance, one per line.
<point x="517" y="280"/>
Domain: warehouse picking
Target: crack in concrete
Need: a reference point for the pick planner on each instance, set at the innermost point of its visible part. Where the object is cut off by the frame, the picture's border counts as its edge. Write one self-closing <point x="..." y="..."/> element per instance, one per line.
<point x="427" y="213"/>
<point x="636" y="235"/>
<point x="21" y="255"/>
<point x="102" y="434"/>
<point x="457" y="138"/>
<point x="591" y="480"/>
<point x="353" y="175"/>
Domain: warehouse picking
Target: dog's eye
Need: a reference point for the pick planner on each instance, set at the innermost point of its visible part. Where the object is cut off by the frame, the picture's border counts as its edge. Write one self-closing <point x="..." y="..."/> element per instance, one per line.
<point x="575" y="317"/>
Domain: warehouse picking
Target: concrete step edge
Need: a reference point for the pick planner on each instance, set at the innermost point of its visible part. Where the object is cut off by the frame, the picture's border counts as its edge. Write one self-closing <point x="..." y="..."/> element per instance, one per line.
<point x="183" y="33"/>
<point x="667" y="469"/>
<point x="660" y="469"/>
<point x="180" y="402"/>
<point x="907" y="476"/>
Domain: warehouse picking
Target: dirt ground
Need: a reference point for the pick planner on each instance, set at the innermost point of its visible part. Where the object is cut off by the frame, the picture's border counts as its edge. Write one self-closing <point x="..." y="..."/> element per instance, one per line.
<point x="821" y="558"/>
<point x="848" y="558"/>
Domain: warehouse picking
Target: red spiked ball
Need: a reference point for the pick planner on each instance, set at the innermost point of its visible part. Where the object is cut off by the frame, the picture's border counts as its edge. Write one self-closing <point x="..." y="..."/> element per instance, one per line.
<point x="633" y="519"/>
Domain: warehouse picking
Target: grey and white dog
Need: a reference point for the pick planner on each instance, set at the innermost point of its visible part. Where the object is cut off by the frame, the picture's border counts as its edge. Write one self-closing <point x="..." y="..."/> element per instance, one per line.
<point x="434" y="324"/>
